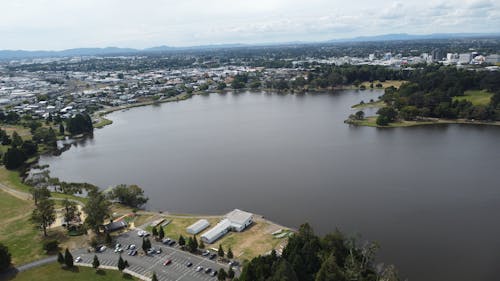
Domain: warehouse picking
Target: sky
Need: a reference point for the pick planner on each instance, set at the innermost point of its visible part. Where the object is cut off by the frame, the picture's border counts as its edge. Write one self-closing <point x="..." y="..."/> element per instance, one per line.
<point x="64" y="24"/>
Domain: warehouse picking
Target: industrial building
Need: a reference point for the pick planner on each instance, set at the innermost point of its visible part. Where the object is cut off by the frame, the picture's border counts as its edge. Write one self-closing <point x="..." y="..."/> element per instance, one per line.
<point x="197" y="227"/>
<point x="236" y="220"/>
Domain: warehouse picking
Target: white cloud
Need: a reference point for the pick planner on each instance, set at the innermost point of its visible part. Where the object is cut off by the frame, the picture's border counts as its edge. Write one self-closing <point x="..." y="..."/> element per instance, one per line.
<point x="58" y="24"/>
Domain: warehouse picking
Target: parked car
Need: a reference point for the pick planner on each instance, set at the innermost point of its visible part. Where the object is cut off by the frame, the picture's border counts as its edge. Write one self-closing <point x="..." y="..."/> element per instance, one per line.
<point x="132" y="253"/>
<point x="234" y="263"/>
<point x="167" y="262"/>
<point x="205" y="253"/>
<point x="158" y="251"/>
<point x="189" y="264"/>
<point x="78" y="259"/>
<point x="171" y="243"/>
<point x="101" y="249"/>
<point x="208" y="270"/>
<point x="213" y="273"/>
<point x="199" y="268"/>
<point x="166" y="241"/>
<point x="212" y="256"/>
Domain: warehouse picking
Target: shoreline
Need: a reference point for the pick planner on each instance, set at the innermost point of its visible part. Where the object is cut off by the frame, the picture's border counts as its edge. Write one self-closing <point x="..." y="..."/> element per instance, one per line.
<point x="370" y="121"/>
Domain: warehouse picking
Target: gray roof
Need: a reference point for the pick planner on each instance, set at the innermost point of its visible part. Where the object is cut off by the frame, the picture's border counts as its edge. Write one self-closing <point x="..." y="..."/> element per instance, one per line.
<point x="238" y="216"/>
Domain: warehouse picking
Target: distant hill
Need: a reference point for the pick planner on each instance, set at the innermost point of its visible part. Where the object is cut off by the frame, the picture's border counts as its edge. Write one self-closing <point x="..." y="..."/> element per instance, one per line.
<point x="20" y="54"/>
<point x="406" y="37"/>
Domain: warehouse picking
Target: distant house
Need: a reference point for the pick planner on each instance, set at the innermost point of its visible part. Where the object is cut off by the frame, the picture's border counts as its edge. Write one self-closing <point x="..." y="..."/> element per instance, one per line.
<point x="197" y="227"/>
<point x="236" y="220"/>
<point x="115" y="225"/>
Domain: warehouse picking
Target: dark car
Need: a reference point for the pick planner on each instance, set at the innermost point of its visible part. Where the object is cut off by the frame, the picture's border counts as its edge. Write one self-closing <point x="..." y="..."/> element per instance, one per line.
<point x="206" y="253"/>
<point x="208" y="270"/>
<point x="189" y="264"/>
<point x="212" y="256"/>
<point x="171" y="243"/>
<point x="213" y="273"/>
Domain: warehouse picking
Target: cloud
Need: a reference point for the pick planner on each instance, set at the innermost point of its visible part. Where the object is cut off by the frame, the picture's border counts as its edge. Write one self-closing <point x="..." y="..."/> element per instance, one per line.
<point x="56" y="24"/>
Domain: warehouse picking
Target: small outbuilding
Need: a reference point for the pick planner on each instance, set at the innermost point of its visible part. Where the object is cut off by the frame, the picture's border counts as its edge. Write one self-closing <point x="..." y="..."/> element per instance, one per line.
<point x="116" y="225"/>
<point x="197" y="227"/>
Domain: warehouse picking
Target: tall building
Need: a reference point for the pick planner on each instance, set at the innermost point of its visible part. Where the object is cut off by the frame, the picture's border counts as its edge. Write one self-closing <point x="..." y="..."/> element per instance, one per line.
<point x="437" y="55"/>
<point x="465" y="58"/>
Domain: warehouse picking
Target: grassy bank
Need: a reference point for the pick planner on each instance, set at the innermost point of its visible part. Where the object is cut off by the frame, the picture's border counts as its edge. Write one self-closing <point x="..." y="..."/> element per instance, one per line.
<point x="476" y="97"/>
<point x="53" y="271"/>
<point x="17" y="231"/>
<point x="371" y="122"/>
<point x="368" y="105"/>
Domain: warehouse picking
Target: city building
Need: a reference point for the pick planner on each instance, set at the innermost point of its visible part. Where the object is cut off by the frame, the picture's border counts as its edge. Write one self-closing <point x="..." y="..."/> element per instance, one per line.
<point x="236" y="220"/>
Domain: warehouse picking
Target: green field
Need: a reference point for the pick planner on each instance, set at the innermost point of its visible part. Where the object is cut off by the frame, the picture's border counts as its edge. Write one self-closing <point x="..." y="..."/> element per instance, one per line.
<point x="53" y="271"/>
<point x="17" y="231"/>
<point x="476" y="97"/>
<point x="369" y="104"/>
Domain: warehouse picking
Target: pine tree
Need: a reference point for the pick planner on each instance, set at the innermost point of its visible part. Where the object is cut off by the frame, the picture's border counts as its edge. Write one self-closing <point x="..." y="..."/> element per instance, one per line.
<point x="229" y="253"/>
<point x="154" y="278"/>
<point x="108" y="240"/>
<point x="202" y="244"/>
<point x="230" y="273"/>
<point x="121" y="264"/>
<point x="161" y="233"/>
<point x="61" y="129"/>
<point x="182" y="241"/>
<point x="68" y="258"/>
<point x="60" y="258"/>
<point x="221" y="251"/>
<point x="95" y="263"/>
<point x="222" y="275"/>
<point x="155" y="232"/>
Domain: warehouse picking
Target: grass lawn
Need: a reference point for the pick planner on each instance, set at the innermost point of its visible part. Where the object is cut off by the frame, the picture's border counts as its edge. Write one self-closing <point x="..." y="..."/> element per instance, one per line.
<point x="54" y="271"/>
<point x="475" y="97"/>
<point x="369" y="104"/>
<point x="23" y="132"/>
<point x="17" y="231"/>
<point x="385" y="84"/>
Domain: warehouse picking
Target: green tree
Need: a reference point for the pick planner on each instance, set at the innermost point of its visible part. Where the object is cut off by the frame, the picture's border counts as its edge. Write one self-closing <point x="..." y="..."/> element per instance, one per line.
<point x="154" y="232"/>
<point x="201" y="244"/>
<point x="39" y="193"/>
<point x="222" y="275"/>
<point x="13" y="158"/>
<point x="60" y="258"/>
<point x="29" y="148"/>
<point x="61" y="129"/>
<point x="382" y="120"/>
<point x="121" y="263"/>
<point x="161" y="233"/>
<point x="68" y="258"/>
<point x="108" y="239"/>
<point x="230" y="273"/>
<point x="146" y="244"/>
<point x="330" y="271"/>
<point x="360" y="115"/>
<point x="70" y="211"/>
<point x="17" y="141"/>
<point x="154" y="278"/>
<point x="220" y="252"/>
<point x="5" y="257"/>
<point x="80" y="124"/>
<point x="182" y="240"/>
<point x="44" y="214"/>
<point x="229" y="253"/>
<point x="97" y="209"/>
<point x="131" y="195"/>
<point x="96" y="263"/>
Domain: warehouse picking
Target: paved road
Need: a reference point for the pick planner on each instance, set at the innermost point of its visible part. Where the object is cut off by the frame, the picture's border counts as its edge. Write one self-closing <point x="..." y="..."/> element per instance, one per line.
<point x="145" y="265"/>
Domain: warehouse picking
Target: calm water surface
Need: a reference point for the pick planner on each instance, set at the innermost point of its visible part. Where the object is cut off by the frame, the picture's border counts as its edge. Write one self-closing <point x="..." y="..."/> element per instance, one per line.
<point x="429" y="195"/>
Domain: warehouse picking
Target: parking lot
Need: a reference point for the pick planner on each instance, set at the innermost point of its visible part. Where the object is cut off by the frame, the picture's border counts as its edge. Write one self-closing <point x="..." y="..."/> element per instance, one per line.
<point x="146" y="264"/>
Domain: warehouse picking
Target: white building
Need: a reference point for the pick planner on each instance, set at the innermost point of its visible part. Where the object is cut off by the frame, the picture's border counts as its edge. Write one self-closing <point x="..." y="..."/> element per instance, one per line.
<point x="236" y="220"/>
<point x="197" y="227"/>
<point x="465" y="58"/>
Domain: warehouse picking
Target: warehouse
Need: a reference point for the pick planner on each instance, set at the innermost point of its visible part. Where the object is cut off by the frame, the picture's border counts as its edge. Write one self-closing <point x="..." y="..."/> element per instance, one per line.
<point x="197" y="227"/>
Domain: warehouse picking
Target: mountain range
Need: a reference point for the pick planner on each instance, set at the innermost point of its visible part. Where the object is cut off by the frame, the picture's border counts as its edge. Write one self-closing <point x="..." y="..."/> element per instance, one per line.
<point x="20" y="54"/>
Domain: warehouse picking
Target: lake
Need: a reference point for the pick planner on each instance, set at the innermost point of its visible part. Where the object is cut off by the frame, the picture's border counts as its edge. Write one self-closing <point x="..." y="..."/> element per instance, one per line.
<point x="429" y="195"/>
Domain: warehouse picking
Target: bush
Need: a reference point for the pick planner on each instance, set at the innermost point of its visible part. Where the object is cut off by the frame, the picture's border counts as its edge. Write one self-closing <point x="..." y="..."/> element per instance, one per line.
<point x="5" y="257"/>
<point x="51" y="246"/>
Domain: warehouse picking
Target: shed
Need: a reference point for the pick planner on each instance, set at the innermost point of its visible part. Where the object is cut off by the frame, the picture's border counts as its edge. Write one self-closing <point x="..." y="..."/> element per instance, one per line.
<point x="116" y="225"/>
<point x="216" y="232"/>
<point x="197" y="227"/>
